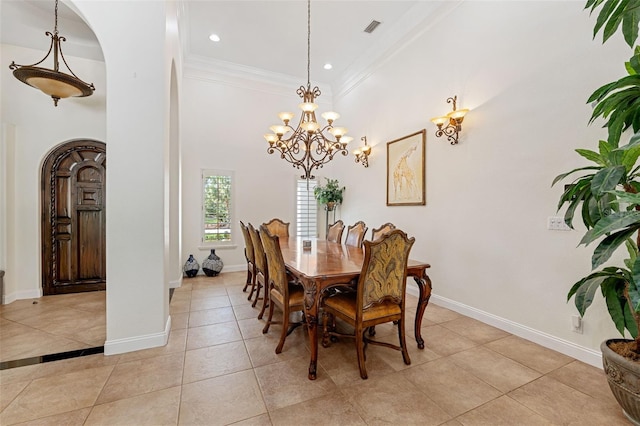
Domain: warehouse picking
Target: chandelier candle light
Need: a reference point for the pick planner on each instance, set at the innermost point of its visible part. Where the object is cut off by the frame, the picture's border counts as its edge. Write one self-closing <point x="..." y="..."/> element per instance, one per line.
<point x="307" y="146"/>
<point x="51" y="81"/>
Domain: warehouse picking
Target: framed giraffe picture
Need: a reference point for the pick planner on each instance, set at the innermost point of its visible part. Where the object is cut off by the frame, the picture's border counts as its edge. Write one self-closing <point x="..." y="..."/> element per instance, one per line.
<point x="406" y="170"/>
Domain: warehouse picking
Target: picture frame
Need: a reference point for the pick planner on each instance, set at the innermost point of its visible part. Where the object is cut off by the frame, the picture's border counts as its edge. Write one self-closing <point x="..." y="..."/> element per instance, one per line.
<point x="406" y="183"/>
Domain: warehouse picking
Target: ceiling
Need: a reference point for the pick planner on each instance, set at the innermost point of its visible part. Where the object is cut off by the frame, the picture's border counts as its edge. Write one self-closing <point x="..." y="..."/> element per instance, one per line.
<point x="269" y="37"/>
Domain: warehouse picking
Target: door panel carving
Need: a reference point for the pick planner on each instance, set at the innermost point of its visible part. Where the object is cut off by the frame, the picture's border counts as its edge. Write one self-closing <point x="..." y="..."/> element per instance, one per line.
<point x="73" y="218"/>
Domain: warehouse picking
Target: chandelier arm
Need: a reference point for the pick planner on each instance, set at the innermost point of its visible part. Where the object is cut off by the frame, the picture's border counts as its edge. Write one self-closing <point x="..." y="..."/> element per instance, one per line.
<point x="14" y="66"/>
<point x="67" y="65"/>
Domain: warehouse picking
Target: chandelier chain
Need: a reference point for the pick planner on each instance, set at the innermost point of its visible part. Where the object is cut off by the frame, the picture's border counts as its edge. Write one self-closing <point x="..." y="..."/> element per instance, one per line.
<point x="308" y="43"/>
<point x="55" y="27"/>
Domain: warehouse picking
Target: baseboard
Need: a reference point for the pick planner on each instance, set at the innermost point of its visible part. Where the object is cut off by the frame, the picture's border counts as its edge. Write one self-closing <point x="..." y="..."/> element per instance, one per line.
<point x="175" y="283"/>
<point x="130" y="344"/>
<point x="581" y="353"/>
<point x="24" y="294"/>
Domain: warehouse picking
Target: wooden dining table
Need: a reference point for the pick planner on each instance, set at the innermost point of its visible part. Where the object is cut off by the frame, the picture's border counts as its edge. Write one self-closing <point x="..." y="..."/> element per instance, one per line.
<point x="327" y="264"/>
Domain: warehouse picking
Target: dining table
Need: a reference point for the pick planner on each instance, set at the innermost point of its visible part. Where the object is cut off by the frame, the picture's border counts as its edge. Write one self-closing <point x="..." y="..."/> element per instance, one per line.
<point x="323" y="265"/>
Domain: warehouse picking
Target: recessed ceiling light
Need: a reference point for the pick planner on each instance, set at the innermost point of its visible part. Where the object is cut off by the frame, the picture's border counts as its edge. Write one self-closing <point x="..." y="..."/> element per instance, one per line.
<point x="214" y="37"/>
<point x="328" y="66"/>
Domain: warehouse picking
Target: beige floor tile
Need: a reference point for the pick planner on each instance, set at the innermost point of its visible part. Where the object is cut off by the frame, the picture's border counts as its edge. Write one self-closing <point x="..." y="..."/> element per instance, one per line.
<point x="497" y="370"/>
<point x="340" y="360"/>
<point x="393" y="400"/>
<point x="215" y="334"/>
<point x="143" y="376"/>
<point x="70" y="418"/>
<point x="394" y="358"/>
<point x="240" y="299"/>
<point x="177" y="343"/>
<point x="562" y="404"/>
<point x="210" y="303"/>
<point x="252" y="327"/>
<point x="179" y="306"/>
<point x="21" y="341"/>
<point x="21" y="374"/>
<point x="185" y="286"/>
<point x="328" y="410"/>
<point x="502" y="411"/>
<point x="153" y="409"/>
<point x="261" y="420"/>
<point x="213" y="361"/>
<point x="444" y="341"/>
<point x="246" y="311"/>
<point x="211" y="316"/>
<point x="227" y="399"/>
<point x="529" y="354"/>
<point x="210" y="291"/>
<point x="56" y="394"/>
<point x="450" y="387"/>
<point x="262" y="350"/>
<point x="287" y="383"/>
<point x="586" y="379"/>
<point x="438" y="314"/>
<point x="179" y="321"/>
<point x="475" y="330"/>
<point x="74" y="364"/>
<point x="8" y="392"/>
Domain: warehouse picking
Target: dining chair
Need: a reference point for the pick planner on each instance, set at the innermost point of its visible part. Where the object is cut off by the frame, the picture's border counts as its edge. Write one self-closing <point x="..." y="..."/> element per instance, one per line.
<point x="355" y="234"/>
<point x="278" y="227"/>
<point x="335" y="232"/>
<point x="377" y="233"/>
<point x="251" y="262"/>
<point x="262" y="270"/>
<point x="285" y="294"/>
<point x="379" y="296"/>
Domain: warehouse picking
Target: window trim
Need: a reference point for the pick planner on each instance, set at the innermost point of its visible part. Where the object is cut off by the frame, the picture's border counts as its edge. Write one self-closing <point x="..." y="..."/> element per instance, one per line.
<point x="206" y="245"/>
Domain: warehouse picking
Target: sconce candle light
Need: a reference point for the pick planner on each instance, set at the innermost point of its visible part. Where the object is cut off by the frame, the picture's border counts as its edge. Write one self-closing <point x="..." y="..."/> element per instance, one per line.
<point x="362" y="154"/>
<point x="453" y="122"/>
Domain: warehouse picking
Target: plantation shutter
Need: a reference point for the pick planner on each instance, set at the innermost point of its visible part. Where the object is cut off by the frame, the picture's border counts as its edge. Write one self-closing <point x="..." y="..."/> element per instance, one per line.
<point x="306" y="209"/>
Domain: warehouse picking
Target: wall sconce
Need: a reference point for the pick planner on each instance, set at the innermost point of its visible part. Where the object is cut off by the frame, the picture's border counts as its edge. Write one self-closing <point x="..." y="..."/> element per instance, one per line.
<point x="362" y="154"/>
<point x="453" y="120"/>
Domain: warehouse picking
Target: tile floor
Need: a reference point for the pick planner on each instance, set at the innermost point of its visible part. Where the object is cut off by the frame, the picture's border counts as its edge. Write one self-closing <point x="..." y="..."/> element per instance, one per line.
<point x="218" y="368"/>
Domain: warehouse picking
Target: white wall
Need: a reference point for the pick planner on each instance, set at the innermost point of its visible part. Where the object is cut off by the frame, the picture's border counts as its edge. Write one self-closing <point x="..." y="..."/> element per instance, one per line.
<point x="32" y="127"/>
<point x="525" y="69"/>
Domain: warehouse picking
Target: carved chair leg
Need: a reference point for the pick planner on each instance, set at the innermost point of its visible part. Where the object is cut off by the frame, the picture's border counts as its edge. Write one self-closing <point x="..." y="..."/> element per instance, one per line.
<point x="325" y="330"/>
<point x="403" y="343"/>
<point x="372" y="330"/>
<point x="285" y="328"/>
<point x="259" y="286"/>
<point x="265" y="330"/>
<point x="244" y="289"/>
<point x="359" y="335"/>
<point x="265" y="302"/>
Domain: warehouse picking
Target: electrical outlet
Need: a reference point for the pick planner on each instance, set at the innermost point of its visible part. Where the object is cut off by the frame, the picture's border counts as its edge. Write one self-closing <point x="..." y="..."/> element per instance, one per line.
<point x="556" y="223"/>
<point x="577" y="325"/>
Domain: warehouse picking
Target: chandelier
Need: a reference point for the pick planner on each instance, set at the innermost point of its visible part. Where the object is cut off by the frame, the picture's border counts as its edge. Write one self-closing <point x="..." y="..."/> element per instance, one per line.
<point x="308" y="146"/>
<point x="51" y="81"/>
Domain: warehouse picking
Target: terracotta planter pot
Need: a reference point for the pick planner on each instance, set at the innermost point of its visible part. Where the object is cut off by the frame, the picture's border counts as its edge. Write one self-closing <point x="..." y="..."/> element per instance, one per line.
<point x="623" y="376"/>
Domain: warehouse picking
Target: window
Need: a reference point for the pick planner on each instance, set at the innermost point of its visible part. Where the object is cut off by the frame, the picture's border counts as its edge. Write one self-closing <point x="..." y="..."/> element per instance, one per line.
<point x="306" y="209"/>
<point x="217" y="211"/>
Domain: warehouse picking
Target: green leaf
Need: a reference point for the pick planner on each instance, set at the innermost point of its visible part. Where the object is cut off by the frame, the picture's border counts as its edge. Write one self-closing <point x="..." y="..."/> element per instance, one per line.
<point x="603" y="16"/>
<point x="564" y="175"/>
<point x="610" y="244"/>
<point x="591" y="156"/>
<point x="627" y="197"/>
<point x="584" y="191"/>
<point x="611" y="223"/>
<point x="629" y="321"/>
<point x="630" y="27"/>
<point x="606" y="179"/>
<point x="615" y="306"/>
<point x="614" y="21"/>
<point x="605" y="148"/>
<point x="585" y="292"/>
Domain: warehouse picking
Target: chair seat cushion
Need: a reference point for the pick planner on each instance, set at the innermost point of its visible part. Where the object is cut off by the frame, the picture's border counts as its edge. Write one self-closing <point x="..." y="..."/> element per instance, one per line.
<point x="345" y="303"/>
<point x="296" y="295"/>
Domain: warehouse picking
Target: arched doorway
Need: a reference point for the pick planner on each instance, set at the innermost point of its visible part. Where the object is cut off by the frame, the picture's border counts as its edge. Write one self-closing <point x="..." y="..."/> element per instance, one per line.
<point x="73" y="218"/>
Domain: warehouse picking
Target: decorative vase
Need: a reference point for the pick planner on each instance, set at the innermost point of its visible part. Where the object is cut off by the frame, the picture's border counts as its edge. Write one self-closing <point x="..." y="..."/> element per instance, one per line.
<point x="212" y="265"/>
<point x="623" y="376"/>
<point x="191" y="267"/>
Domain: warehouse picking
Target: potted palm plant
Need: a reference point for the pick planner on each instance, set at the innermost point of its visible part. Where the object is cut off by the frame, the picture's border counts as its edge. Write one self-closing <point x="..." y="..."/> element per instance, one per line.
<point x="606" y="195"/>
<point x="330" y="195"/>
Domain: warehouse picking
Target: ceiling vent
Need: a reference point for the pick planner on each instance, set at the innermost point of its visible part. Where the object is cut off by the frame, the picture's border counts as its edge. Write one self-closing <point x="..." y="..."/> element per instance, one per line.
<point x="372" y="26"/>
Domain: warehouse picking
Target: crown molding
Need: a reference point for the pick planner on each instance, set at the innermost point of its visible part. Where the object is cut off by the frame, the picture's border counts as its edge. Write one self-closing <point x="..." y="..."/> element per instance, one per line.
<point x="415" y="22"/>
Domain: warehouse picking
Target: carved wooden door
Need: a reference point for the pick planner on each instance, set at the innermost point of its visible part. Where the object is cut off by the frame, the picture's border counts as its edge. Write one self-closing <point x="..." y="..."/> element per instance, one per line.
<point x="73" y="218"/>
